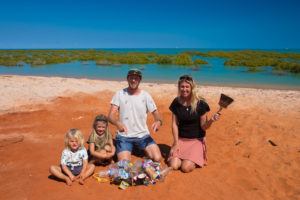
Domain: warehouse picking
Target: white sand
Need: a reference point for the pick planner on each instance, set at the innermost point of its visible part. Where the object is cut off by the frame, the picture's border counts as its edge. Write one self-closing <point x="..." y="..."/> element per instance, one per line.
<point x="18" y="91"/>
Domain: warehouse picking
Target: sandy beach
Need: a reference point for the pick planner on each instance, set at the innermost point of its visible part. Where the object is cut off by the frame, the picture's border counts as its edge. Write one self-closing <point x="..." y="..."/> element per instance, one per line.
<point x="253" y="150"/>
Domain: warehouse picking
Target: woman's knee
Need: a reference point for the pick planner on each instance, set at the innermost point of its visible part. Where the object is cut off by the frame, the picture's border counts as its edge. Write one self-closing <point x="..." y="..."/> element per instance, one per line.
<point x="187" y="167"/>
<point x="174" y="166"/>
<point x="175" y="163"/>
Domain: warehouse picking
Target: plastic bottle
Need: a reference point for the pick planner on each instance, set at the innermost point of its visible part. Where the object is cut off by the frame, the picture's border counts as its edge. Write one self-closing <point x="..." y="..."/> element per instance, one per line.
<point x="151" y="173"/>
<point x="103" y="173"/>
<point x="112" y="172"/>
<point x="136" y="169"/>
<point x="163" y="173"/>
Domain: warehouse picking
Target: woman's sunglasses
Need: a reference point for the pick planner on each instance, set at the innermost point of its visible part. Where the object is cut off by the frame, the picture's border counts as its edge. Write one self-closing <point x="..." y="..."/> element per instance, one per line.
<point x="186" y="77"/>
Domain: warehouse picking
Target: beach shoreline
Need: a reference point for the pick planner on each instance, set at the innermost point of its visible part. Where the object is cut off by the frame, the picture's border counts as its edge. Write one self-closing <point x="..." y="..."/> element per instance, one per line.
<point x="18" y="91"/>
<point x="233" y="85"/>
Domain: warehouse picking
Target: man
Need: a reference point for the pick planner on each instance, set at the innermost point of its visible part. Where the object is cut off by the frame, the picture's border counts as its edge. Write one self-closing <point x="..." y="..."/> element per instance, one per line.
<point x="133" y="104"/>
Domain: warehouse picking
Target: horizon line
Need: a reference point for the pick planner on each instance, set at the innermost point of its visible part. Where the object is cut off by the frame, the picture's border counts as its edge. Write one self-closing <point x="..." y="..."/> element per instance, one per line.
<point x="89" y="48"/>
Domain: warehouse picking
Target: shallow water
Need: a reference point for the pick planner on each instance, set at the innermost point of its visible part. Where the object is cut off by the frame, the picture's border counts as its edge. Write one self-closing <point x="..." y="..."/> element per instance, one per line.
<point x="213" y="73"/>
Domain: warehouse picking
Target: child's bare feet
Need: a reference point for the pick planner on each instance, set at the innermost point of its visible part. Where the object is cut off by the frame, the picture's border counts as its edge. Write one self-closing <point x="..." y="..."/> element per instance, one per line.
<point x="72" y="178"/>
<point x="81" y="181"/>
<point x="68" y="181"/>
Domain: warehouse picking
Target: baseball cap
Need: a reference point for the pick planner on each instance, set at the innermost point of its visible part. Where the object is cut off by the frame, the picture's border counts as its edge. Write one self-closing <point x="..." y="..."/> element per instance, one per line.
<point x="134" y="72"/>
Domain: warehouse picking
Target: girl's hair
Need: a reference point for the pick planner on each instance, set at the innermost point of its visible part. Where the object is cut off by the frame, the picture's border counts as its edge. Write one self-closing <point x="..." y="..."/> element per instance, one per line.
<point x="74" y="133"/>
<point x="194" y="96"/>
<point x="100" y="118"/>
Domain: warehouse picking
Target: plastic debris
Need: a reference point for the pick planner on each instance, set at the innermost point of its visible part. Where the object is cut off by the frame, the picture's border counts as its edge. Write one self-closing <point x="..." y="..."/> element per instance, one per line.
<point x="125" y="173"/>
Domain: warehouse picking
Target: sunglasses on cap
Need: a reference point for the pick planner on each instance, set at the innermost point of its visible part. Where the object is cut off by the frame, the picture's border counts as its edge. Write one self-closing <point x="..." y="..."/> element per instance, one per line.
<point x="186" y="77"/>
<point x="134" y="72"/>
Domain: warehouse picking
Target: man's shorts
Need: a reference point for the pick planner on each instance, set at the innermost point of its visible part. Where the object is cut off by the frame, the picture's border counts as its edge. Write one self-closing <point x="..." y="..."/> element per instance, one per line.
<point x="127" y="143"/>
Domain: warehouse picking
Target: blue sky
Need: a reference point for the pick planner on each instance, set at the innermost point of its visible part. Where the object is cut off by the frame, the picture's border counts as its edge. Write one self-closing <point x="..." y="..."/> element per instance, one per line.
<point x="256" y="24"/>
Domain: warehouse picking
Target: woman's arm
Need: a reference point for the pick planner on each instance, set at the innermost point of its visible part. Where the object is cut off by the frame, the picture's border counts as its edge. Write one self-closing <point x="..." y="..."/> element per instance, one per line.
<point x="175" y="134"/>
<point x="205" y="123"/>
<point x="174" y="129"/>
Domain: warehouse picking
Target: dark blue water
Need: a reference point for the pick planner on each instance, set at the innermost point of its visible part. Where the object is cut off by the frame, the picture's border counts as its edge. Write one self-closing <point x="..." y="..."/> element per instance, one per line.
<point x="214" y="73"/>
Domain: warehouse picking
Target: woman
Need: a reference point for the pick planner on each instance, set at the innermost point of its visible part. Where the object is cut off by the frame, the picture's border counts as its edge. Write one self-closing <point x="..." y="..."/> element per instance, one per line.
<point x="189" y="122"/>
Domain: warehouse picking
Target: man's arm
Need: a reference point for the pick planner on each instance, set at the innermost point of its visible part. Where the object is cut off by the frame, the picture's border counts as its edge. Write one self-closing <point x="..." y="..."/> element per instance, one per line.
<point x="157" y="120"/>
<point x="113" y="120"/>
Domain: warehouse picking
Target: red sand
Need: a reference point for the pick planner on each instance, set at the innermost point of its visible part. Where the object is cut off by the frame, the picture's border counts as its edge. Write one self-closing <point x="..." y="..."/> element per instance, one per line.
<point x="243" y="163"/>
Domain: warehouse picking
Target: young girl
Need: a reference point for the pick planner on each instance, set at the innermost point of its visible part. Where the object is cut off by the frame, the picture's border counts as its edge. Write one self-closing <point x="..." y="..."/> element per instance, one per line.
<point x="100" y="141"/>
<point x="74" y="157"/>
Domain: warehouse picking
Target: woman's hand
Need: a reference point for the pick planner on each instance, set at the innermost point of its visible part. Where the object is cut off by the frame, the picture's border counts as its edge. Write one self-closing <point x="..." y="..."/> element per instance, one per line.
<point x="174" y="148"/>
<point x="215" y="117"/>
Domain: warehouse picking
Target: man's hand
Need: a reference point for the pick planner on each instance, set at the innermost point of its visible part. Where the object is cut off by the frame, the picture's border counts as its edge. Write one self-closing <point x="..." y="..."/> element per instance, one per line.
<point x="155" y="126"/>
<point x="121" y="127"/>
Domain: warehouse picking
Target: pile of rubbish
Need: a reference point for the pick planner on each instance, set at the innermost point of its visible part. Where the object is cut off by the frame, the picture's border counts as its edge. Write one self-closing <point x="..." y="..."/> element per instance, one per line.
<point x="125" y="173"/>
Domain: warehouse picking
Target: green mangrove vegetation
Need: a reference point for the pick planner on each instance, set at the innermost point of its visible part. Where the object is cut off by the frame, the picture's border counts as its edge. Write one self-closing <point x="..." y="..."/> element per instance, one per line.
<point x="253" y="60"/>
<point x="43" y="57"/>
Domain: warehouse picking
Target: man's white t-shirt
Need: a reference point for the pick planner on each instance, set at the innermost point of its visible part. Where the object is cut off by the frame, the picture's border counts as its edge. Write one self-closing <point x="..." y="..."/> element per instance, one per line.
<point x="133" y="111"/>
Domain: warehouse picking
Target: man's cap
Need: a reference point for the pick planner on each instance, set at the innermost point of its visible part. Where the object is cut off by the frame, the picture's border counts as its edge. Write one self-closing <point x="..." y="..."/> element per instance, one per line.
<point x="134" y="72"/>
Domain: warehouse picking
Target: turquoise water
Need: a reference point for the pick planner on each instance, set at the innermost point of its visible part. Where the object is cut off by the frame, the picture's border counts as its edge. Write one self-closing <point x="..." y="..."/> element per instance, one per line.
<point x="214" y="73"/>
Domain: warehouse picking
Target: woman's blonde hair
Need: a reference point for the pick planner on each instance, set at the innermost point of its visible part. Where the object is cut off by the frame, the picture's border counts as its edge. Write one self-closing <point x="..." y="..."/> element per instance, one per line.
<point x="194" y="95"/>
<point x="74" y="133"/>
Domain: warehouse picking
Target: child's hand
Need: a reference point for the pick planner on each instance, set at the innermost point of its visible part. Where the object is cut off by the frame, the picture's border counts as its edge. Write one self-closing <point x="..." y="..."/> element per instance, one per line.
<point x="107" y="148"/>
